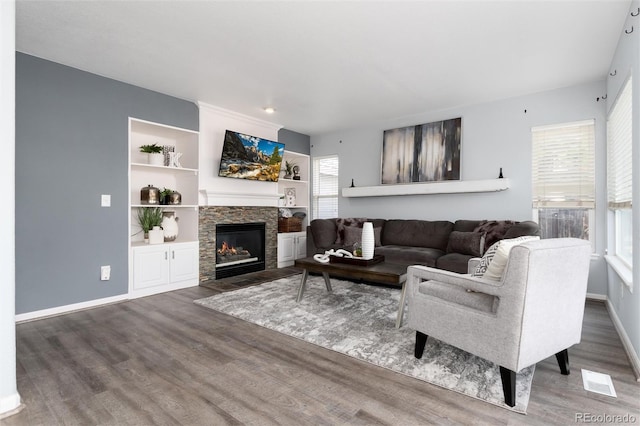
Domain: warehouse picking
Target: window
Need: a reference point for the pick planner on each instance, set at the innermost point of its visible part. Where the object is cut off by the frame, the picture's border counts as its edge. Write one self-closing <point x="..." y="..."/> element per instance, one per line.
<point x="619" y="174"/>
<point x="564" y="179"/>
<point x="325" y="187"/>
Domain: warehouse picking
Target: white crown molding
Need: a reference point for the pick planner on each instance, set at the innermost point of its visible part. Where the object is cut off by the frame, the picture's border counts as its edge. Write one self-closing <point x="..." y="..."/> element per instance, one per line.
<point x="237" y="116"/>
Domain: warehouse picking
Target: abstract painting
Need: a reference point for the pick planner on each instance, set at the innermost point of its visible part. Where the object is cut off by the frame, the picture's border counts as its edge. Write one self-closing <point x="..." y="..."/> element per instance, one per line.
<point x="422" y="153"/>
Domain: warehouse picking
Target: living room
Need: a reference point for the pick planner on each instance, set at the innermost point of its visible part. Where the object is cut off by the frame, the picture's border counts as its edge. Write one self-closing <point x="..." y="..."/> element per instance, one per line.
<point x="71" y="135"/>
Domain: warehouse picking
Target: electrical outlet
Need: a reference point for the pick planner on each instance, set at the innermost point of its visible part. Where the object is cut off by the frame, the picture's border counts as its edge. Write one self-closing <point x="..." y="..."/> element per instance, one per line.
<point x="105" y="200"/>
<point x="105" y="273"/>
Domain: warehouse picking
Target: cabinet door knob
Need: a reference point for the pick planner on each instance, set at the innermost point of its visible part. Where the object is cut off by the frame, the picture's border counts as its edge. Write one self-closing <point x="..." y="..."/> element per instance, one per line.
<point x="166" y="256"/>
<point x="173" y="254"/>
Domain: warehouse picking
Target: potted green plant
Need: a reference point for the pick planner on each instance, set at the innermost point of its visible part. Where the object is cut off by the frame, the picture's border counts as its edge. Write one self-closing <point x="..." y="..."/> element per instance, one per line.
<point x="148" y="218"/>
<point x="154" y="153"/>
<point x="164" y="195"/>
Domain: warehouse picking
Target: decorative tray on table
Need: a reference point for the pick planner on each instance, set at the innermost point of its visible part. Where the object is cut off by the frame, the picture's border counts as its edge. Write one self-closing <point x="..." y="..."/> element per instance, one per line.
<point x="359" y="261"/>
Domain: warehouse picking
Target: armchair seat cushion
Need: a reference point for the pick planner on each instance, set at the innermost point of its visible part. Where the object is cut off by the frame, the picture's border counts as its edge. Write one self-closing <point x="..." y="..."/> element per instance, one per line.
<point x="459" y="296"/>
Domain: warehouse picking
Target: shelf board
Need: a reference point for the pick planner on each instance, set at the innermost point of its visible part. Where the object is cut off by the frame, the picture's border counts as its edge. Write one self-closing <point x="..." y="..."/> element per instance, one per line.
<point x="283" y="180"/>
<point x="177" y="169"/>
<point x="447" y="187"/>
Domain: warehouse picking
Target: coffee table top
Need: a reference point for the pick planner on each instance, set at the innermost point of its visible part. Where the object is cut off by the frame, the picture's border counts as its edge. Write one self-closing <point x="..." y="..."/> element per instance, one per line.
<point x="383" y="272"/>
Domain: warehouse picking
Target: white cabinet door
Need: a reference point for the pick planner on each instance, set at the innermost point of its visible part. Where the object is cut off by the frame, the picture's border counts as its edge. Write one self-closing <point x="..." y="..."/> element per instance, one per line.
<point x="301" y="246"/>
<point x="150" y="266"/>
<point x="286" y="250"/>
<point x="184" y="262"/>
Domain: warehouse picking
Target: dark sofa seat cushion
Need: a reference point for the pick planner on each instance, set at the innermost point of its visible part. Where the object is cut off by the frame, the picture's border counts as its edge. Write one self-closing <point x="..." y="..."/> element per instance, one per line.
<point x="454" y="262"/>
<point x="409" y="255"/>
<point x="417" y="233"/>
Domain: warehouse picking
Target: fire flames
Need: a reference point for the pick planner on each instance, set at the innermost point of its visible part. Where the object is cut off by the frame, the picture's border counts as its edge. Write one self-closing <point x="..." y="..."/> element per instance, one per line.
<point x="225" y="249"/>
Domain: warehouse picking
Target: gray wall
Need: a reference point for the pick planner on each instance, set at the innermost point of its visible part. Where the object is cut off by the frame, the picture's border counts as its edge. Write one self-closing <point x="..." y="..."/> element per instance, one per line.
<point x="72" y="146"/>
<point x="294" y="141"/>
<point x="626" y="62"/>
<point x="494" y="135"/>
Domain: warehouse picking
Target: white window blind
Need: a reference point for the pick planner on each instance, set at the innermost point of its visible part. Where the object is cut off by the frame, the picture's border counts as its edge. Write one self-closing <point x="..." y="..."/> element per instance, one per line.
<point x="619" y="176"/>
<point x="325" y="187"/>
<point x="563" y="162"/>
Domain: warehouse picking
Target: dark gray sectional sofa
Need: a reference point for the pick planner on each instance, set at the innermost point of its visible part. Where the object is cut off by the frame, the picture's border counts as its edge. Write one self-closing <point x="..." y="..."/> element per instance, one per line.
<point x="439" y="244"/>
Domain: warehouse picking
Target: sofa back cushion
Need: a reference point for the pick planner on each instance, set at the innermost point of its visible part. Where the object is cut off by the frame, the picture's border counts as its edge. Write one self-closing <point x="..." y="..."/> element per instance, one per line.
<point x="417" y="233"/>
<point x="323" y="232"/>
<point x="466" y="225"/>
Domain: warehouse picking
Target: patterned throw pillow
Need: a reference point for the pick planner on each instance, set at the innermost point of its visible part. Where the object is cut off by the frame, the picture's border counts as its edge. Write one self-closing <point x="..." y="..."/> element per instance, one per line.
<point x="495" y="259"/>
<point x="486" y="260"/>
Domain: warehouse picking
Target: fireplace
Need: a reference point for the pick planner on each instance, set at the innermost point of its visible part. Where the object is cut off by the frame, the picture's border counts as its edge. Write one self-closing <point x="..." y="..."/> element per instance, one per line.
<point x="240" y="248"/>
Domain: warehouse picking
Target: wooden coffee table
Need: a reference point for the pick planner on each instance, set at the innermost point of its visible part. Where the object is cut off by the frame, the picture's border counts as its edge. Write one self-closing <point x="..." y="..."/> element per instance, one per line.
<point x="382" y="273"/>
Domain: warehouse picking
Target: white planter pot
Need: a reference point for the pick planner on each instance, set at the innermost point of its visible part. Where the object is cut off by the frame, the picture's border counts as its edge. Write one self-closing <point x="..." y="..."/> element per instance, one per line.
<point x="156" y="235"/>
<point x="156" y="159"/>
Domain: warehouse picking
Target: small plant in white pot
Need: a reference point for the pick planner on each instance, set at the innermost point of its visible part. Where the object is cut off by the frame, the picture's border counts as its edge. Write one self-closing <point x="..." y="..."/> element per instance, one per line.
<point x="150" y="219"/>
<point x="154" y="152"/>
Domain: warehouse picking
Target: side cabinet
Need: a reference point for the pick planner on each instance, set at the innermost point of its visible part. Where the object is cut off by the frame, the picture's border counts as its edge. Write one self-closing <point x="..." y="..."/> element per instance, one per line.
<point x="164" y="267"/>
<point x="291" y="246"/>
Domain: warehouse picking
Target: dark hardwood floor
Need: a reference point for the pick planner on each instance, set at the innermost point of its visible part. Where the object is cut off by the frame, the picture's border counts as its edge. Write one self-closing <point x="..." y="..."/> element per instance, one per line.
<point x="164" y="360"/>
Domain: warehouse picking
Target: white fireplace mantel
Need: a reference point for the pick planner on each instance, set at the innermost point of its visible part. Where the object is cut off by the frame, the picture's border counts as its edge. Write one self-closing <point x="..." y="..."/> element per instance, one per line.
<point x="228" y="199"/>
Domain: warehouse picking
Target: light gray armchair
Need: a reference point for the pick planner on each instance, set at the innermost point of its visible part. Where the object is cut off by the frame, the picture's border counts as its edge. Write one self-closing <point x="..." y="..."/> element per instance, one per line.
<point x="533" y="312"/>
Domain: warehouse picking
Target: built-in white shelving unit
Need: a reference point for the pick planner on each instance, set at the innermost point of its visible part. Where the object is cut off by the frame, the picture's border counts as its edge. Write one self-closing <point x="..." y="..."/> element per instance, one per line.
<point x="172" y="265"/>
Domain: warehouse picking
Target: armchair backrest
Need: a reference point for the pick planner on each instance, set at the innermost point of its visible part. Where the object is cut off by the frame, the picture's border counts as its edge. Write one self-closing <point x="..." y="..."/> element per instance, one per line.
<point x="551" y="303"/>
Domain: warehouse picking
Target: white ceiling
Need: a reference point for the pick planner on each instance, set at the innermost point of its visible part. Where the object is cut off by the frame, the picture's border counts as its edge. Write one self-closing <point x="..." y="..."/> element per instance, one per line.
<point x="327" y="65"/>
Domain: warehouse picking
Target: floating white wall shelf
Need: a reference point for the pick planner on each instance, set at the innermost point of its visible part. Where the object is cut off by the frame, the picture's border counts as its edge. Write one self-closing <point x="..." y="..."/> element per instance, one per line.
<point x="448" y="187"/>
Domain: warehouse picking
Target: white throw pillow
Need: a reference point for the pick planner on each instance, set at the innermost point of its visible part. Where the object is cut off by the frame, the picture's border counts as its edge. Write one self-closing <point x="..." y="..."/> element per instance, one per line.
<point x="496" y="266"/>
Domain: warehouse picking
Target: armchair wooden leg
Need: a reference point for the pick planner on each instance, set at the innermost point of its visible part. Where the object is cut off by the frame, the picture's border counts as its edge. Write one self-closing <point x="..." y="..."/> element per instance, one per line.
<point x="421" y="341"/>
<point x="563" y="362"/>
<point x="508" y="386"/>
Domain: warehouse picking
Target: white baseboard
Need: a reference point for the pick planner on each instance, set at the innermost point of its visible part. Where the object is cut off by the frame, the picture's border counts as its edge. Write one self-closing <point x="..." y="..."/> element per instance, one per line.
<point x="626" y="342"/>
<point x="58" y="310"/>
<point x="595" y="296"/>
<point x="10" y="405"/>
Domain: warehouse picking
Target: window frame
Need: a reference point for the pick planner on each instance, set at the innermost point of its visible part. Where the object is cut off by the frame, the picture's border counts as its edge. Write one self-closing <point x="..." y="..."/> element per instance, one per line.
<point x="334" y="191"/>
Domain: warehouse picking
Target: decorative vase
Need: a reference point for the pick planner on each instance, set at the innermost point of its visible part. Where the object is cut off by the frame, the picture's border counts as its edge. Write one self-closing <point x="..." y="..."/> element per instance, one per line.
<point x="156" y="159"/>
<point x="169" y="225"/>
<point x="368" y="242"/>
<point x="174" y="198"/>
<point x="156" y="235"/>
<point x="149" y="195"/>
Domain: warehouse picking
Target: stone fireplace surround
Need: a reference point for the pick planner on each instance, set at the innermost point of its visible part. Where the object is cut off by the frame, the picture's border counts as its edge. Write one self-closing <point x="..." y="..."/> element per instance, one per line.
<point x="209" y="216"/>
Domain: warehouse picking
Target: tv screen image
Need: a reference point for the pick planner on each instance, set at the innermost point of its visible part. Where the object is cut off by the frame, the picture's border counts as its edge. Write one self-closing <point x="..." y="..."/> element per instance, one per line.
<point x="250" y="157"/>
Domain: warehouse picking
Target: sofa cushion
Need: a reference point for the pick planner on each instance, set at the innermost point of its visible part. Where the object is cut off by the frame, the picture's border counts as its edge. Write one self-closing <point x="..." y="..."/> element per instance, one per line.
<point x="471" y="243"/>
<point x="519" y="229"/>
<point x="323" y="232"/>
<point x="494" y="230"/>
<point x="342" y="223"/>
<point x="417" y="233"/>
<point x="463" y="225"/>
<point x="409" y="255"/>
<point x="353" y="235"/>
<point x="454" y="262"/>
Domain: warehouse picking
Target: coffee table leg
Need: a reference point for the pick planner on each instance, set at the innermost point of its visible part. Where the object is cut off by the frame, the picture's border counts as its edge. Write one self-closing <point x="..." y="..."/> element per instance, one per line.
<point x="327" y="282"/>
<point x="401" y="307"/>
<point x="303" y="283"/>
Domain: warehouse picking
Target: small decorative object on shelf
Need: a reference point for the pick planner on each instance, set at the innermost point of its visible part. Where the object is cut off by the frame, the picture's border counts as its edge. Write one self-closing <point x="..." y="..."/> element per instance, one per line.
<point x="154" y="151"/>
<point x="290" y="197"/>
<point x="352" y="184"/>
<point x="166" y="152"/>
<point x="170" y="197"/>
<point x="500" y="176"/>
<point x="174" y="159"/>
<point x="150" y="195"/>
<point x="288" y="169"/>
<point x="368" y="242"/>
<point x="296" y="173"/>
<point x="169" y="225"/>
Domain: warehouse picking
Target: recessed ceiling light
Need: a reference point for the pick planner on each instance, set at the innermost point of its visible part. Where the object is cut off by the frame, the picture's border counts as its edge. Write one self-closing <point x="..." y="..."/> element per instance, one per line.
<point x="269" y="110"/>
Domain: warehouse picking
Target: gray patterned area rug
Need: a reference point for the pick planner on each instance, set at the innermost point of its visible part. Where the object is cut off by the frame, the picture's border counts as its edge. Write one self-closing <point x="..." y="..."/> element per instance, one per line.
<point x="358" y="320"/>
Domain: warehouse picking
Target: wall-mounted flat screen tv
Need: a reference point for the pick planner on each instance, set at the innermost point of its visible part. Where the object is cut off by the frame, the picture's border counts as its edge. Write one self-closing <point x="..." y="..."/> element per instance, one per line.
<point x="250" y="157"/>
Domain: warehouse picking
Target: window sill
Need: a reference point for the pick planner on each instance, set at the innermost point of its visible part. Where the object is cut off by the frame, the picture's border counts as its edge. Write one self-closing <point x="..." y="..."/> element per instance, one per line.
<point x="624" y="272"/>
